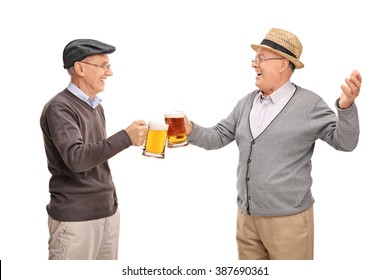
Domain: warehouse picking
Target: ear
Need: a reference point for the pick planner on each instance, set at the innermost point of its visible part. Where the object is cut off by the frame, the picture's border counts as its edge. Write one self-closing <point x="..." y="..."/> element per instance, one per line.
<point x="79" y="68"/>
<point x="284" y="65"/>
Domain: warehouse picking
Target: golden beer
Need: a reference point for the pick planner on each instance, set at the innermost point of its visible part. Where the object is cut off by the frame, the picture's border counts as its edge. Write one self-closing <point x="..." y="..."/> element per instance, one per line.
<point x="156" y="140"/>
<point x="177" y="136"/>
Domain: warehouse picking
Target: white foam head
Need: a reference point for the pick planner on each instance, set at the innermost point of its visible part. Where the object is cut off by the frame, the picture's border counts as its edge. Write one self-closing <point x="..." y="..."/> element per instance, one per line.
<point x="174" y="114"/>
<point x="158" y="126"/>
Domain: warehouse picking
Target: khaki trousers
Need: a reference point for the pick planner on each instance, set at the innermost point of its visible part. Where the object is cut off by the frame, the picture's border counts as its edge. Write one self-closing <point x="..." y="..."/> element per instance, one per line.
<point x="89" y="240"/>
<point x="275" y="238"/>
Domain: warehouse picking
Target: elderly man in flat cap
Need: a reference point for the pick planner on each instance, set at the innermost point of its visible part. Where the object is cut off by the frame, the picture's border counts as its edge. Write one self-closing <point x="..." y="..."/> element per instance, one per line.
<point x="83" y="209"/>
<point x="275" y="128"/>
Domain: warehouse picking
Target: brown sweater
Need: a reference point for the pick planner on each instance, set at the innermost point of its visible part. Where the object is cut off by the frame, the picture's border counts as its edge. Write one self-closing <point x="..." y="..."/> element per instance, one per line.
<point x="77" y="150"/>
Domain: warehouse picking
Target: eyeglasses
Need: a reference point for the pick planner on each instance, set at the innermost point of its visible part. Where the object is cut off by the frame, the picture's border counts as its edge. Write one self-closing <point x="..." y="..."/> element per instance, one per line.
<point x="257" y="59"/>
<point x="104" y="67"/>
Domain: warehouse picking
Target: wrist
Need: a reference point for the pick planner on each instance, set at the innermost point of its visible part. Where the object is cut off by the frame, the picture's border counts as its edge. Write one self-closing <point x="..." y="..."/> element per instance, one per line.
<point x="344" y="105"/>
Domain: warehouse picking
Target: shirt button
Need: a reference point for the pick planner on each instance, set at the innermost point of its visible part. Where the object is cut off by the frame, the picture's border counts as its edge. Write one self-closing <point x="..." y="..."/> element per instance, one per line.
<point x="253" y="142"/>
<point x="249" y="198"/>
<point x="249" y="160"/>
<point x="247" y="179"/>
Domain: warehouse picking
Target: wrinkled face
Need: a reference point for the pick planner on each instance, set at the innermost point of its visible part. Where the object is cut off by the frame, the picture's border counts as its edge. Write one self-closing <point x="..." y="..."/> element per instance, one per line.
<point x="95" y="69"/>
<point x="269" y="66"/>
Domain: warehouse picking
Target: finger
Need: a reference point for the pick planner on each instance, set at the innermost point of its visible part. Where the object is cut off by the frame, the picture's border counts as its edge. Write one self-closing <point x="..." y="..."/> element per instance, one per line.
<point x="354" y="86"/>
<point x="356" y="80"/>
<point x="346" y="90"/>
<point x="140" y="122"/>
<point x="141" y="140"/>
<point x="142" y="133"/>
<point x="356" y="76"/>
<point x="350" y="84"/>
<point x="143" y="128"/>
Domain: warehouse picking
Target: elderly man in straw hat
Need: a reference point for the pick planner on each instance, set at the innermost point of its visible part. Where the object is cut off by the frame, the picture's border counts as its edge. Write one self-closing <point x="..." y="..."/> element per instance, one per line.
<point x="275" y="128"/>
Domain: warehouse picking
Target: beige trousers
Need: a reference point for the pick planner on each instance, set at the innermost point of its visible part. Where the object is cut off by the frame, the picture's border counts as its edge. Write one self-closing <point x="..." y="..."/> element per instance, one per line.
<point x="275" y="238"/>
<point x="89" y="240"/>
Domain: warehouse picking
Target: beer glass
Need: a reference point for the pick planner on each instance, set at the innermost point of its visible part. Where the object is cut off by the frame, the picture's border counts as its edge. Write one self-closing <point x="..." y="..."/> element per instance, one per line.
<point x="177" y="136"/>
<point x="156" y="140"/>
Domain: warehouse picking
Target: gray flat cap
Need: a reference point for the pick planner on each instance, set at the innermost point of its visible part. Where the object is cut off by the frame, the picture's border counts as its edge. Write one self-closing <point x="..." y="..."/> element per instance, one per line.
<point x="79" y="49"/>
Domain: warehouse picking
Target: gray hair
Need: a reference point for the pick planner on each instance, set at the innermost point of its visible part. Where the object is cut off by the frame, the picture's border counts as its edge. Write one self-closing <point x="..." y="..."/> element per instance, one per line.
<point x="292" y="66"/>
<point x="70" y="70"/>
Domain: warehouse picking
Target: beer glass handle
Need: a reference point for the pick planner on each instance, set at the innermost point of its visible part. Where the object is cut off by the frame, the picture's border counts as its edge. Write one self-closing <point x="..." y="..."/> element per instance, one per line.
<point x="143" y="146"/>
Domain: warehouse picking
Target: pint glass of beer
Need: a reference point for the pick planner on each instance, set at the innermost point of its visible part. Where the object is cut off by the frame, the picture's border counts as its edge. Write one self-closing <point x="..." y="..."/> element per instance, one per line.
<point x="156" y="140"/>
<point x="177" y="136"/>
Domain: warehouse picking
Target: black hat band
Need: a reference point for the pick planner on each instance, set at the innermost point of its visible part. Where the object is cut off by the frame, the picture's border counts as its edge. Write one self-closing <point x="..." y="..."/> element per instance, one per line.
<point x="278" y="47"/>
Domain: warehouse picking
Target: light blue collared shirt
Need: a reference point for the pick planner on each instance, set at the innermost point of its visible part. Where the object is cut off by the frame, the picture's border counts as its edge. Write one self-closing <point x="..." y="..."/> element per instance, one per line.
<point x="265" y="109"/>
<point x="80" y="94"/>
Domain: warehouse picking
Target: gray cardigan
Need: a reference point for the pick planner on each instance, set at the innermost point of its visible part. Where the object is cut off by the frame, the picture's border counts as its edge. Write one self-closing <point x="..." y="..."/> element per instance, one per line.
<point x="273" y="174"/>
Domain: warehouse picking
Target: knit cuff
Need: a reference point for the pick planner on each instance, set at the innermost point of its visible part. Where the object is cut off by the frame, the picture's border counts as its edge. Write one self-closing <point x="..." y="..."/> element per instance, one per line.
<point x="346" y="114"/>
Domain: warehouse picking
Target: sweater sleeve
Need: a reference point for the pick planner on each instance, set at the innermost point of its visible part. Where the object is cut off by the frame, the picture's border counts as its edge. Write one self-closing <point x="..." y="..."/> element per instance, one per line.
<point x="215" y="137"/>
<point x="340" y="131"/>
<point x="63" y="125"/>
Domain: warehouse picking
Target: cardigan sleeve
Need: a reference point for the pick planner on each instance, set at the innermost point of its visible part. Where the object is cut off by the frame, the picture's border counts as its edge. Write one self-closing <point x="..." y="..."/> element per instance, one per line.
<point x="215" y="137"/>
<point x="340" y="131"/>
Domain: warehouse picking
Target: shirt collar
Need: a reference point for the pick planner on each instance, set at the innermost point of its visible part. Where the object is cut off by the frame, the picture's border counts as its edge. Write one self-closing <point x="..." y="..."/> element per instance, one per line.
<point x="281" y="92"/>
<point x="80" y="94"/>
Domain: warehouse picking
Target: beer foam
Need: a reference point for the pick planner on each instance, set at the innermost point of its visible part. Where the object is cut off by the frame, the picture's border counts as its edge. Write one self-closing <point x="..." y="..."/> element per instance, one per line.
<point x="175" y="114"/>
<point x="158" y="126"/>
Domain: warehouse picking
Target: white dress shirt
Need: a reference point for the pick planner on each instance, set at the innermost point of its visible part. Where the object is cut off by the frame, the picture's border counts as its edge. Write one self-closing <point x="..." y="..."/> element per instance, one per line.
<point x="265" y="109"/>
<point x="80" y="94"/>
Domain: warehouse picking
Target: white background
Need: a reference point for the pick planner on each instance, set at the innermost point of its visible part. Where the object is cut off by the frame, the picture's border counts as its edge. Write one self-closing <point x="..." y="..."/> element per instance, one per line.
<point x="193" y="56"/>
